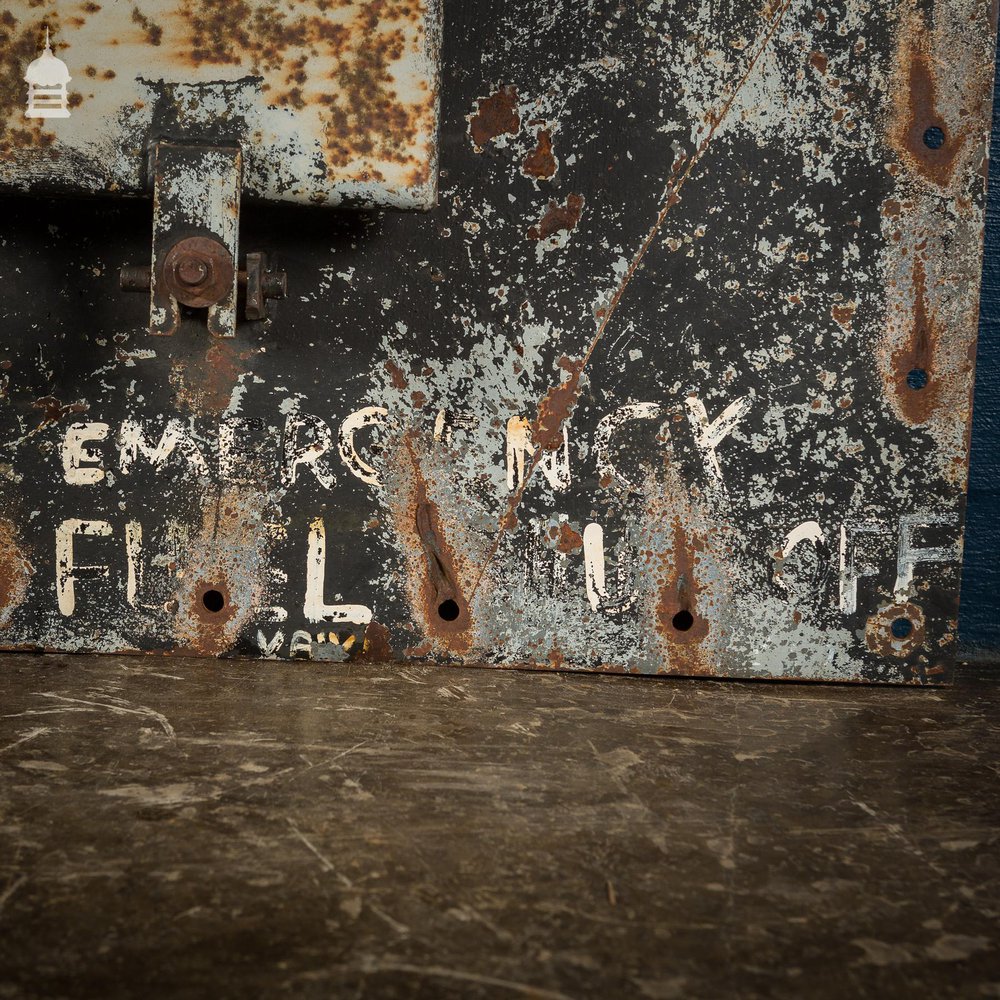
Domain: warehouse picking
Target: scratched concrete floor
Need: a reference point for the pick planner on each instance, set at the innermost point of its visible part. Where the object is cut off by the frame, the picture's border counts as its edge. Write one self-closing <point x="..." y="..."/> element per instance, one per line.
<point x="204" y="829"/>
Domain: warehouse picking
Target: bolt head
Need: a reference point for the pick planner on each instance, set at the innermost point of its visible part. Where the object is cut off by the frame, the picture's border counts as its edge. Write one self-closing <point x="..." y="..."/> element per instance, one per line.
<point x="192" y="271"/>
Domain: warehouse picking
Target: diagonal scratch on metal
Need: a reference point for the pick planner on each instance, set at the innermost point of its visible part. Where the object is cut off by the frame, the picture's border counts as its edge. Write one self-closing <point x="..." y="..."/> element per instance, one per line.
<point x="671" y="196"/>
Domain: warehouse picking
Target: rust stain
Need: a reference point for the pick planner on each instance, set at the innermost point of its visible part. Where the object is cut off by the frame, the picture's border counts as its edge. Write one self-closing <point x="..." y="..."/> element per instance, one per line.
<point x="677" y="605"/>
<point x="558" y="218"/>
<point x="918" y="354"/>
<point x="556" y="407"/>
<point x="152" y="31"/>
<point x="15" y="572"/>
<point x="843" y="313"/>
<point x="917" y="86"/>
<point x="226" y="556"/>
<point x="437" y="593"/>
<point x="819" y="62"/>
<point x="879" y="636"/>
<point x="54" y="410"/>
<point x="540" y="161"/>
<point x="377" y="646"/>
<point x="567" y="539"/>
<point x="207" y="386"/>
<point x="495" y="115"/>
<point x="396" y="374"/>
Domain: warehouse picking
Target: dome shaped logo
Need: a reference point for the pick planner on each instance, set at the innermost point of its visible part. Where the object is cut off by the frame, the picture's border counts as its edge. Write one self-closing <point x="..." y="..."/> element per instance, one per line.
<point x="47" y="78"/>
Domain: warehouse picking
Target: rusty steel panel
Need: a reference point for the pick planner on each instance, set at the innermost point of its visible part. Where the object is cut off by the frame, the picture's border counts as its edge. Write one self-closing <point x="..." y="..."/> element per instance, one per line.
<point x="676" y="378"/>
<point x="333" y="103"/>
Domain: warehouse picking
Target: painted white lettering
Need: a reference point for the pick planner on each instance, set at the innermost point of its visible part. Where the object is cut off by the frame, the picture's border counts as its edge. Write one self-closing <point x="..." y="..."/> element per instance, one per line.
<point x="133" y="556"/>
<point x="67" y="571"/>
<point x="606" y="430"/>
<point x="521" y="448"/>
<point x="909" y="554"/>
<point x="594" y="569"/>
<point x="133" y="442"/>
<point x="315" y="608"/>
<point x="306" y="440"/>
<point x="81" y="465"/>
<point x="708" y="435"/>
<point x="269" y="647"/>
<point x="369" y="416"/>
<point x="301" y="643"/>
<point x="850" y="572"/>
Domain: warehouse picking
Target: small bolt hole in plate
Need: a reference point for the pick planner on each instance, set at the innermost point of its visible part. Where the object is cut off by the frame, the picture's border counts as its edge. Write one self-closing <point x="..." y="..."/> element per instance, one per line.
<point x="213" y="601"/>
<point x="448" y="610"/>
<point x="683" y="620"/>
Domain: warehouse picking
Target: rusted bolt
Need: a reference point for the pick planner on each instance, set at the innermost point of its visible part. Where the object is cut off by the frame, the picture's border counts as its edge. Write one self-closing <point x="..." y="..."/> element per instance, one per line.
<point x="134" y="278"/>
<point x="198" y="271"/>
<point x="192" y="271"/>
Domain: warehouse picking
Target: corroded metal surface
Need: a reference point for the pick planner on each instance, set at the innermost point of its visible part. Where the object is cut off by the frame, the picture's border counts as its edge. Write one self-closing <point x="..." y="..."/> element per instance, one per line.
<point x="676" y="378"/>
<point x="333" y="102"/>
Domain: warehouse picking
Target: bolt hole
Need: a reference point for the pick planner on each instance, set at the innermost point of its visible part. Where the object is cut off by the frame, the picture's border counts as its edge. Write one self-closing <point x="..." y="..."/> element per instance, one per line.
<point x="916" y="379"/>
<point x="683" y="620"/>
<point x="448" y="610"/>
<point x="902" y="627"/>
<point x="213" y="601"/>
<point x="934" y="137"/>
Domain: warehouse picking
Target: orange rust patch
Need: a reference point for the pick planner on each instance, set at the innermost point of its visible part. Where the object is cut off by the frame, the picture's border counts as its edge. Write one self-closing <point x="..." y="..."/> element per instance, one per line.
<point x="54" y="410"/>
<point x="919" y="353"/>
<point x="396" y="374"/>
<point x="152" y="31"/>
<point x="556" y="407"/>
<point x="819" y="62"/>
<point x="567" y="540"/>
<point x="15" y="573"/>
<point x="844" y="314"/>
<point x="227" y="554"/>
<point x="495" y="115"/>
<point x="677" y="614"/>
<point x="916" y="91"/>
<point x="207" y="387"/>
<point x="878" y="630"/>
<point x="377" y="647"/>
<point x="558" y="218"/>
<point x="436" y="579"/>
<point x="541" y="162"/>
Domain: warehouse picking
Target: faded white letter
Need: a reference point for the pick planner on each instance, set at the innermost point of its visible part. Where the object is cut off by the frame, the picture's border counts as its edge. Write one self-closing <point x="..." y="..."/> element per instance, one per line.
<point x="296" y="452"/>
<point x="369" y="416"/>
<point x="67" y="572"/>
<point x="708" y="435"/>
<point x="593" y="563"/>
<point x="133" y="443"/>
<point x="75" y="453"/>
<point x="521" y="447"/>
<point x="315" y="608"/>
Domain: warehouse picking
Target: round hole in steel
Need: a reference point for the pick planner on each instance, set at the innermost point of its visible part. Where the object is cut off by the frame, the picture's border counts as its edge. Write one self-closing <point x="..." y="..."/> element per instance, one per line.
<point x="916" y="378"/>
<point x="934" y="137"/>
<point x="213" y="600"/>
<point x="448" y="610"/>
<point x="683" y="620"/>
<point x="902" y="627"/>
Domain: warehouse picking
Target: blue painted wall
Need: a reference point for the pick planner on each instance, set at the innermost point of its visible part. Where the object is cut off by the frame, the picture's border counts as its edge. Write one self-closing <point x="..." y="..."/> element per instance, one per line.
<point x="979" y="618"/>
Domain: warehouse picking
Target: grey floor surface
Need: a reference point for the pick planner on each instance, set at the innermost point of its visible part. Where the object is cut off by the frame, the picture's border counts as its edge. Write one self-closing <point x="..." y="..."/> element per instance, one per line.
<point x="180" y="828"/>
